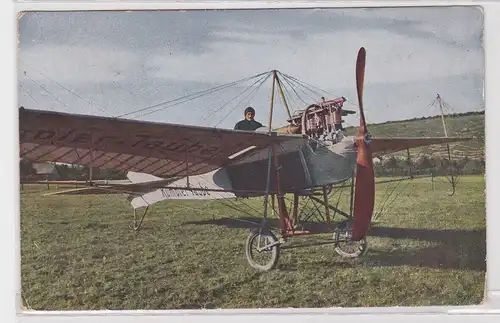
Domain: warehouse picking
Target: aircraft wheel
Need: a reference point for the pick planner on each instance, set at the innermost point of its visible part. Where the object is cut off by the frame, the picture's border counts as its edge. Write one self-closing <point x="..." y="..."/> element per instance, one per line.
<point x="258" y="255"/>
<point x="348" y="248"/>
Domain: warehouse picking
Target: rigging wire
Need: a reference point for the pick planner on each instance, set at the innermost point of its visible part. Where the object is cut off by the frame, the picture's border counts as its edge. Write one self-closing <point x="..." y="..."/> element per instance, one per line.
<point x="424" y="150"/>
<point x="300" y="88"/>
<point x="189" y="97"/>
<point x="447" y="106"/>
<point x="298" y="82"/>
<point x="245" y="98"/>
<point x="385" y="202"/>
<point x="294" y="90"/>
<point x="291" y="79"/>
<point x="455" y="178"/>
<point x="428" y="107"/>
<point x="290" y="90"/>
<point x="317" y="88"/>
<point x="65" y="88"/>
<point x="309" y="86"/>
<point x="232" y="99"/>
<point x="50" y="93"/>
<point x="386" y="198"/>
<point x="288" y="95"/>
<point x="231" y="203"/>
<point x="28" y="93"/>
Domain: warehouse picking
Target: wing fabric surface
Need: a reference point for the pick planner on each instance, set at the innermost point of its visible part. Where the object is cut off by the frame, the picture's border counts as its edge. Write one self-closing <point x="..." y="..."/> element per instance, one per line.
<point x="382" y="146"/>
<point x="159" y="149"/>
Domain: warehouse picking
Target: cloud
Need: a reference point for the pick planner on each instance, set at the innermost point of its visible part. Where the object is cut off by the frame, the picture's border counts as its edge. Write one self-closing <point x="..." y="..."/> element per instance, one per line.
<point x="79" y="64"/>
<point x="129" y="60"/>
<point x="327" y="59"/>
<point x="138" y="31"/>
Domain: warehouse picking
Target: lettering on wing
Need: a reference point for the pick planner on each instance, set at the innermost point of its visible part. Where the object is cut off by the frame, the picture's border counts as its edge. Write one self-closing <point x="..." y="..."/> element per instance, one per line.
<point x="140" y="144"/>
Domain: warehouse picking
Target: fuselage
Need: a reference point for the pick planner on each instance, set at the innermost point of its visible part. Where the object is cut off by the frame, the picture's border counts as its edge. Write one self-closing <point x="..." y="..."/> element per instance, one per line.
<point x="303" y="163"/>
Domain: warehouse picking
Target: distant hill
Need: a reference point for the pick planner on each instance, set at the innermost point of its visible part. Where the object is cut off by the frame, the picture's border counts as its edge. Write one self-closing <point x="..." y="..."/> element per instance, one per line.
<point x="470" y="124"/>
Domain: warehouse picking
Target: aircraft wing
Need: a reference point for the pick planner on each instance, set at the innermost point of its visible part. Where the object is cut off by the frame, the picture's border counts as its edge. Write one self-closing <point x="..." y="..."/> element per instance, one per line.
<point x="160" y="149"/>
<point x="383" y="146"/>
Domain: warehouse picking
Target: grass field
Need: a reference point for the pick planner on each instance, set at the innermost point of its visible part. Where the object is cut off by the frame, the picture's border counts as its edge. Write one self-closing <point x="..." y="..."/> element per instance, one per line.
<point x="80" y="253"/>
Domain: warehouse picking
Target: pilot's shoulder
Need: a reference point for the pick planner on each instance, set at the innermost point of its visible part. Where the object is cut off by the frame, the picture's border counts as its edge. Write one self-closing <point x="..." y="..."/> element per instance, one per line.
<point x="238" y="124"/>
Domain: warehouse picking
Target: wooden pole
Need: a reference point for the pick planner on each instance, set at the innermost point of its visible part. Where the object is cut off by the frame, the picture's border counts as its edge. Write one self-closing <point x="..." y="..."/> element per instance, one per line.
<point x="280" y="88"/>
<point x="442" y="115"/>
<point x="453" y="184"/>
<point x="272" y="102"/>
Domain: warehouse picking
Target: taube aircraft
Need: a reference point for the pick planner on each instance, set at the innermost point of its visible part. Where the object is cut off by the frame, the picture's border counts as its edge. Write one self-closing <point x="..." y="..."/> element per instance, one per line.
<point x="165" y="161"/>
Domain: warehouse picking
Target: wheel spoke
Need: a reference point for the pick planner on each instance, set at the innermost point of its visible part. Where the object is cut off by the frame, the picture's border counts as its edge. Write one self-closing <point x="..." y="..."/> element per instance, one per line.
<point x="262" y="244"/>
<point x="345" y="246"/>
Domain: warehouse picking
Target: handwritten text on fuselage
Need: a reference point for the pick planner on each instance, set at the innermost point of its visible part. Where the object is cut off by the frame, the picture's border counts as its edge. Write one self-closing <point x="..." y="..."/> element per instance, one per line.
<point x="167" y="193"/>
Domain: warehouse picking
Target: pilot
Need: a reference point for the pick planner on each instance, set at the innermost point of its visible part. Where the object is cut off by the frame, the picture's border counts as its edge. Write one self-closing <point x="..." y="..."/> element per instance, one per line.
<point x="248" y="123"/>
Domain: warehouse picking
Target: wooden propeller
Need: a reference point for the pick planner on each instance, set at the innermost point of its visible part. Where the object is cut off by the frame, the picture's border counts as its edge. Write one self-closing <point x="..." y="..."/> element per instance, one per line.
<point x="364" y="193"/>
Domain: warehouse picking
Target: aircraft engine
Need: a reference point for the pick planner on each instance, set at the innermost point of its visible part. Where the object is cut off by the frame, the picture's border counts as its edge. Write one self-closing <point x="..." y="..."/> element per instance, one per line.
<point x="320" y="121"/>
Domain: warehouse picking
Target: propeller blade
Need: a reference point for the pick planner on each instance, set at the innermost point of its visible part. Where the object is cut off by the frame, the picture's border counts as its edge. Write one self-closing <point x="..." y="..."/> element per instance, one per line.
<point x="360" y="79"/>
<point x="364" y="194"/>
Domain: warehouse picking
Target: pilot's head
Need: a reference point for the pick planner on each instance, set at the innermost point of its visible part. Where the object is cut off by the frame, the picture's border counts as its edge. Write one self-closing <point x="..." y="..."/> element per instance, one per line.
<point x="249" y="113"/>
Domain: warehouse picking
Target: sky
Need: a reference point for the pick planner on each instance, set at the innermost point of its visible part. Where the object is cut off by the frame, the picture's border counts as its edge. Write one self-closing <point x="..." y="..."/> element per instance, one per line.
<point x="116" y="63"/>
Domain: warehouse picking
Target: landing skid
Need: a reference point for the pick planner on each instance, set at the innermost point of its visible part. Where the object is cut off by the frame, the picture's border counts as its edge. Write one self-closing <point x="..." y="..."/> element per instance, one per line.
<point x="138" y="226"/>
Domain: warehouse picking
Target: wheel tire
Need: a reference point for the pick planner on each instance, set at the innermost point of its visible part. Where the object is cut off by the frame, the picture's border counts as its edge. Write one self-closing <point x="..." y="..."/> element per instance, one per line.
<point x="360" y="251"/>
<point x="275" y="250"/>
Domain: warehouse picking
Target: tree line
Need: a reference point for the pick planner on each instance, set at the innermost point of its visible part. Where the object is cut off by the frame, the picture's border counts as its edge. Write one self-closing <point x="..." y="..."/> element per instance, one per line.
<point x="437" y="165"/>
<point x="451" y="115"/>
<point x="72" y="172"/>
<point x="388" y="166"/>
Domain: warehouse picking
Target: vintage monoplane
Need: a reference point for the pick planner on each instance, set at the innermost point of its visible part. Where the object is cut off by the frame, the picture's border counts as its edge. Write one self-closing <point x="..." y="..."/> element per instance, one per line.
<point x="177" y="162"/>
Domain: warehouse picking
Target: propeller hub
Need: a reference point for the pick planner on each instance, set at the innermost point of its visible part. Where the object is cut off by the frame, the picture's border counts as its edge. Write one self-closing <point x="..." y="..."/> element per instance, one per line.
<point x="368" y="138"/>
